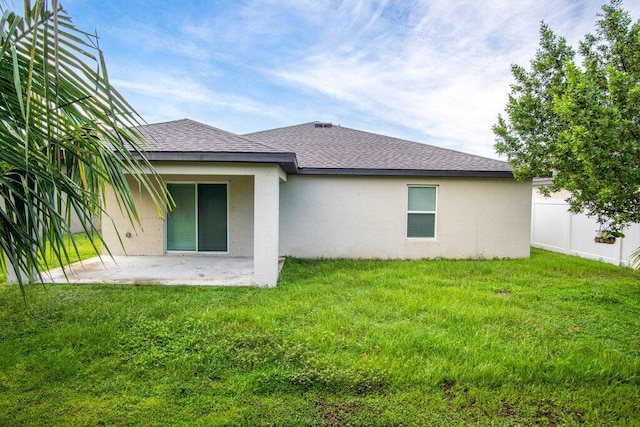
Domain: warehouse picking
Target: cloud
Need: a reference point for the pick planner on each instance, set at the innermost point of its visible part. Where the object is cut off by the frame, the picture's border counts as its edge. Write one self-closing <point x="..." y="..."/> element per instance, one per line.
<point x="153" y="38"/>
<point x="170" y="94"/>
<point x="435" y="71"/>
<point x="444" y="72"/>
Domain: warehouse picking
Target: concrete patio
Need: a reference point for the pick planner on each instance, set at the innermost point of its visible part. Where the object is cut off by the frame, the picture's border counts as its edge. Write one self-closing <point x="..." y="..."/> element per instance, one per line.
<point x="158" y="270"/>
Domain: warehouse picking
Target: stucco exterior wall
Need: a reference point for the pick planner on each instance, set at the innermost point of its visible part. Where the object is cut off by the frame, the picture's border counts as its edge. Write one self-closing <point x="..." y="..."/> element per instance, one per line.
<point x="146" y="238"/>
<point x="366" y="217"/>
<point x="149" y="239"/>
<point x="347" y="216"/>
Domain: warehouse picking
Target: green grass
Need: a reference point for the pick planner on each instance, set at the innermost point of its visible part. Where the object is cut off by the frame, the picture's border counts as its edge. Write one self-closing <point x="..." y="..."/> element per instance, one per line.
<point x="85" y="247"/>
<point x="553" y="340"/>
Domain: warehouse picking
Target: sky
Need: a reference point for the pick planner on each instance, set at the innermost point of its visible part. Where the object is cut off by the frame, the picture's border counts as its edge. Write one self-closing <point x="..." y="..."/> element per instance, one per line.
<point x="432" y="71"/>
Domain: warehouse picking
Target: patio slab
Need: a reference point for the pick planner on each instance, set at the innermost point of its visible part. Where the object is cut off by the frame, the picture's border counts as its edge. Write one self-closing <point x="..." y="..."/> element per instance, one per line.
<point x="158" y="270"/>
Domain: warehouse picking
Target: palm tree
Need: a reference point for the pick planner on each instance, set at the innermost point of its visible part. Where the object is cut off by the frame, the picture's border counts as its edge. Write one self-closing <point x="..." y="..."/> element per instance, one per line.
<point x="66" y="136"/>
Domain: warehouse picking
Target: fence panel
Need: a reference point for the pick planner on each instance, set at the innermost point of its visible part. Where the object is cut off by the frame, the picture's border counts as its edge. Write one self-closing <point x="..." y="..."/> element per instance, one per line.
<point x="554" y="228"/>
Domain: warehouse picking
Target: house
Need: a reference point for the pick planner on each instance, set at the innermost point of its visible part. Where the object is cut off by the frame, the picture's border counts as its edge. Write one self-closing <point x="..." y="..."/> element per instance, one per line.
<point x="321" y="190"/>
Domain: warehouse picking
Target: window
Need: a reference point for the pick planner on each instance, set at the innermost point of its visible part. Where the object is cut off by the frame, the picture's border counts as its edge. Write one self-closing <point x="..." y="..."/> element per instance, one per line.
<point x="198" y="222"/>
<point x="421" y="211"/>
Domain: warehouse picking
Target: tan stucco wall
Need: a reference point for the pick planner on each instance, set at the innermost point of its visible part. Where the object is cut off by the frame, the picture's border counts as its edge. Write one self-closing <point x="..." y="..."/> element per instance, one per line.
<point x="365" y="217"/>
<point x="146" y="238"/>
<point x="149" y="239"/>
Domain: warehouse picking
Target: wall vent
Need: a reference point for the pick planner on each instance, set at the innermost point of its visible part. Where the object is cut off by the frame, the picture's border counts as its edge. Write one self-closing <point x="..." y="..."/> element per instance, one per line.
<point x="323" y="125"/>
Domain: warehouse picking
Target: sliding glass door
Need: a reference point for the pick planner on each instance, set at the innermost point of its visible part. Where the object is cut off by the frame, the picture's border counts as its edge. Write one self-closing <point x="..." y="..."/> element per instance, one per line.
<point x="198" y="223"/>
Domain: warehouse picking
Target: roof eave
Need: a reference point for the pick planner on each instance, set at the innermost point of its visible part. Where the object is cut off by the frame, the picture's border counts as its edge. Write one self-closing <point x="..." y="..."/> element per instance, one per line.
<point x="289" y="164"/>
<point x="407" y="172"/>
<point x="287" y="161"/>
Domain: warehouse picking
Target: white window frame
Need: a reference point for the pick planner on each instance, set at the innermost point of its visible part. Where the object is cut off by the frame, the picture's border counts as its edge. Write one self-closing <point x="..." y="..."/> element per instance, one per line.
<point x="434" y="212"/>
<point x="197" y="252"/>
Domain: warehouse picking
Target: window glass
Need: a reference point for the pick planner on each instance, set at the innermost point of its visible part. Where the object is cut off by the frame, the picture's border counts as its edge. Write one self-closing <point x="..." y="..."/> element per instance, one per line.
<point x="421" y="225"/>
<point x="421" y="212"/>
<point x="422" y="199"/>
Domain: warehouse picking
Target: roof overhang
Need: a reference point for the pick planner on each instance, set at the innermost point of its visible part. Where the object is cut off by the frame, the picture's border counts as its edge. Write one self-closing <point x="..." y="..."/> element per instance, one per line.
<point x="289" y="164"/>
<point x="407" y="172"/>
<point x="287" y="161"/>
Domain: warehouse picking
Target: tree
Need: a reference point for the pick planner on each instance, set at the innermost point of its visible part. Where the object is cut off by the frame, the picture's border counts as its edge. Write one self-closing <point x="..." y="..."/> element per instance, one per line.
<point x="66" y="135"/>
<point x="580" y="124"/>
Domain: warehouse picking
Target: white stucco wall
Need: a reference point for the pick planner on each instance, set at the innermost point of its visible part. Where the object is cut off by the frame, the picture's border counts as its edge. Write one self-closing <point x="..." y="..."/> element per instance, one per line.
<point x="365" y="217"/>
<point x="149" y="239"/>
<point x="346" y="216"/>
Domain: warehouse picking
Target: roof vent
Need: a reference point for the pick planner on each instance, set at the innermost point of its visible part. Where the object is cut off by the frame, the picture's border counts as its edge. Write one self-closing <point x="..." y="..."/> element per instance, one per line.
<point x="323" y="125"/>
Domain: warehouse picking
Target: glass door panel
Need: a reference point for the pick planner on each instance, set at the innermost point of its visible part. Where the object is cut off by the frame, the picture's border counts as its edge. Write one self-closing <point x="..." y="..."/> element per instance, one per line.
<point x="181" y="221"/>
<point x="212" y="217"/>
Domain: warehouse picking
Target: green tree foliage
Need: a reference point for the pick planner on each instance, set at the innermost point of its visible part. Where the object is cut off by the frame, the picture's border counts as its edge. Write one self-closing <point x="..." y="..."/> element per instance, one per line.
<point x="66" y="136"/>
<point x="580" y="122"/>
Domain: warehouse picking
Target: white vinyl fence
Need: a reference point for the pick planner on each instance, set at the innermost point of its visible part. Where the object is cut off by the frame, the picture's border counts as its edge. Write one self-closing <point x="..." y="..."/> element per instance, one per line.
<point x="554" y="228"/>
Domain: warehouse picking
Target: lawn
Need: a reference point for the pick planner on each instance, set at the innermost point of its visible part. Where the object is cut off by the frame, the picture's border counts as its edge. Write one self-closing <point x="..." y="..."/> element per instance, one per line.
<point x="82" y="246"/>
<point x="553" y="340"/>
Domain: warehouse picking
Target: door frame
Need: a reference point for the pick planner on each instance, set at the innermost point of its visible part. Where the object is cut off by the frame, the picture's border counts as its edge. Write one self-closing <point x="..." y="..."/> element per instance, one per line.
<point x="196" y="252"/>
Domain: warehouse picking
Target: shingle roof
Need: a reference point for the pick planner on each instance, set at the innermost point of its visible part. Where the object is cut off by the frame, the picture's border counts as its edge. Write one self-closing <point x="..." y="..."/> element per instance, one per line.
<point x="313" y="149"/>
<point x="190" y="136"/>
<point x="338" y="147"/>
<point x="188" y="140"/>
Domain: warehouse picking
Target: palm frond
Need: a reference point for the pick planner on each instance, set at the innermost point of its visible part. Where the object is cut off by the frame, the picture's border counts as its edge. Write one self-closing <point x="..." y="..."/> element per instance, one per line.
<point x="634" y="259"/>
<point x="66" y="136"/>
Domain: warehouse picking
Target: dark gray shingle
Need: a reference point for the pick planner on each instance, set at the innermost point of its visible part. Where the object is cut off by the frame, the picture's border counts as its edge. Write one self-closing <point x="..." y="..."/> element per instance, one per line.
<point x="338" y="147"/>
<point x="190" y="136"/>
<point x="308" y="148"/>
